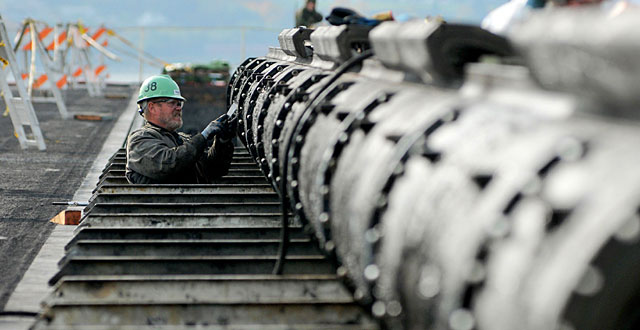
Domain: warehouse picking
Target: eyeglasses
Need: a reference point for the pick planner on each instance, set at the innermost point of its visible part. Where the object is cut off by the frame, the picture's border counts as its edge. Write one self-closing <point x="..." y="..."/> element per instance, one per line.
<point x="171" y="102"/>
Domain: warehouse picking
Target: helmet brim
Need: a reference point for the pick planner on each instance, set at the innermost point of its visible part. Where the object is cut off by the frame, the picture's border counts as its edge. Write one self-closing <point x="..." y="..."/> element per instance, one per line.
<point x="162" y="97"/>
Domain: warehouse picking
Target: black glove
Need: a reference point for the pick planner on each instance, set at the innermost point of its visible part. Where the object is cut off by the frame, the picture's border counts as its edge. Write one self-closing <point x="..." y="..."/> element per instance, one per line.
<point x="229" y="132"/>
<point x="215" y="127"/>
<point x="340" y="16"/>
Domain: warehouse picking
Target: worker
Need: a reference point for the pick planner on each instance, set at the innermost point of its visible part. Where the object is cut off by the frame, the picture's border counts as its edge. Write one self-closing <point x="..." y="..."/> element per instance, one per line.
<point x="157" y="154"/>
<point x="308" y="16"/>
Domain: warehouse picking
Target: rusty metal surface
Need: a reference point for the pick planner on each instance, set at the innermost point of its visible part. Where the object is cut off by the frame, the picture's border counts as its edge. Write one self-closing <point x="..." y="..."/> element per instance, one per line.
<point x="175" y="256"/>
<point x="173" y="197"/>
<point x="195" y="315"/>
<point x="186" y="207"/>
<point x="184" y="233"/>
<point x="204" y="289"/>
<point x="160" y="220"/>
<point x="183" y="265"/>
<point x="282" y="326"/>
<point x="177" y="189"/>
<point x="253" y="179"/>
<point x="188" y="247"/>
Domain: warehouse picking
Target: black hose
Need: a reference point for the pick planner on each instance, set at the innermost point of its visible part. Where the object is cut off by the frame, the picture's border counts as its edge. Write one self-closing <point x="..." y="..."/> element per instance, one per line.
<point x="284" y="231"/>
<point x="18" y="313"/>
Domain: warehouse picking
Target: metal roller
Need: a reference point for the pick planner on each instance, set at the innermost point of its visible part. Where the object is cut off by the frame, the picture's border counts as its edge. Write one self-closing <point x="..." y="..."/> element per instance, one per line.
<point x="456" y="181"/>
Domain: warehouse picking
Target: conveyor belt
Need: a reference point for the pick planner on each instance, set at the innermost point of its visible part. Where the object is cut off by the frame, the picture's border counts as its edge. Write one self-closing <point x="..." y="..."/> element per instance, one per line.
<point x="176" y="256"/>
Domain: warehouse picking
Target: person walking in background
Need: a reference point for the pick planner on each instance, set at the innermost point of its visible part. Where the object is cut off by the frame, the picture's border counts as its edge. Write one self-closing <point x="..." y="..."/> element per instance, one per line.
<point x="308" y="16"/>
<point x="157" y="154"/>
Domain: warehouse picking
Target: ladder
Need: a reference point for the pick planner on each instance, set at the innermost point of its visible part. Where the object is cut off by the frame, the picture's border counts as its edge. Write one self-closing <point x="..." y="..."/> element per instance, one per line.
<point x="47" y="65"/>
<point x="20" y="108"/>
<point x="80" y="58"/>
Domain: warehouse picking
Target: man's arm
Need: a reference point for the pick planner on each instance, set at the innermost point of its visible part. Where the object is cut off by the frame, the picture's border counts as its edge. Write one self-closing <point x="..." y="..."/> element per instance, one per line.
<point x="317" y="17"/>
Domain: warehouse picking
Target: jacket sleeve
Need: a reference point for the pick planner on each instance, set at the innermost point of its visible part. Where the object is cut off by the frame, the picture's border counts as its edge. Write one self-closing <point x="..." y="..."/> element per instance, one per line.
<point x="218" y="160"/>
<point x="152" y="157"/>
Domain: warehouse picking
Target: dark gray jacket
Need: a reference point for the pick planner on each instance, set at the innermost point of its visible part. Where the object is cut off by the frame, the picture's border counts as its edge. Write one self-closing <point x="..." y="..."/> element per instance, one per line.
<point x="306" y="17"/>
<point x="158" y="156"/>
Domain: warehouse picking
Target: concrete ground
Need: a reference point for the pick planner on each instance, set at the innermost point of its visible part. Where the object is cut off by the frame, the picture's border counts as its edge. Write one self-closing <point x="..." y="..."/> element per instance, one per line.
<point x="31" y="180"/>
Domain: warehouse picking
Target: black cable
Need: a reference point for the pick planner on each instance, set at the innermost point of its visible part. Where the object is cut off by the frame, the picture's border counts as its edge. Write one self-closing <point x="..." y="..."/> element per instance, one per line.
<point x="18" y="313"/>
<point x="284" y="231"/>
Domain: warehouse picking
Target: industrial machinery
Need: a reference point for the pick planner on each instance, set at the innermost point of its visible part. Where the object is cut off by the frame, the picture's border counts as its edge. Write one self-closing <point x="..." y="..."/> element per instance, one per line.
<point x="461" y="180"/>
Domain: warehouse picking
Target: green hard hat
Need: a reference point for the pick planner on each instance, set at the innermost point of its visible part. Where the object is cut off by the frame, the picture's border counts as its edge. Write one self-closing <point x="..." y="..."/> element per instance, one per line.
<point x="159" y="86"/>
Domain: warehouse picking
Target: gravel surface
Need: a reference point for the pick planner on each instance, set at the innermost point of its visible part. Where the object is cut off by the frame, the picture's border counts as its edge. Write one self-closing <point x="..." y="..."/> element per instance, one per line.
<point x="31" y="180"/>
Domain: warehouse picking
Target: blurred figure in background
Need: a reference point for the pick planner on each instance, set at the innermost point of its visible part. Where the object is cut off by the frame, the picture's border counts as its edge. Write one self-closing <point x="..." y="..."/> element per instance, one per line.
<point x="308" y="16"/>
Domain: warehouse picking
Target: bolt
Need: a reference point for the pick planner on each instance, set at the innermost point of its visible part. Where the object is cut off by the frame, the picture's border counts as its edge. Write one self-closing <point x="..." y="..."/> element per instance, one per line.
<point x="371" y="272"/>
<point x="329" y="246"/>
<point x="378" y="309"/>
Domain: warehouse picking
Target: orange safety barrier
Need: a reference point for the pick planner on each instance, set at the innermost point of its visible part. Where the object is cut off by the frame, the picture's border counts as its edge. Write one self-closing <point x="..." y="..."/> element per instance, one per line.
<point x="77" y="73"/>
<point x="100" y="69"/>
<point x="61" y="37"/>
<point x="41" y="80"/>
<point x="62" y="81"/>
<point x="43" y="34"/>
<point x="98" y="33"/>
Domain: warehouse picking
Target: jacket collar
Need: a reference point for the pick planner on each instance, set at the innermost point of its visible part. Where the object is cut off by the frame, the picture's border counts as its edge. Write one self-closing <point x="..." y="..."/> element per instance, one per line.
<point x="164" y="131"/>
<point x="150" y="124"/>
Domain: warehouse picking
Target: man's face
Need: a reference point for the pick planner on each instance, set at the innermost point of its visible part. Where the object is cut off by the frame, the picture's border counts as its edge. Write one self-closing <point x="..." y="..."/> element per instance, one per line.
<point x="168" y="113"/>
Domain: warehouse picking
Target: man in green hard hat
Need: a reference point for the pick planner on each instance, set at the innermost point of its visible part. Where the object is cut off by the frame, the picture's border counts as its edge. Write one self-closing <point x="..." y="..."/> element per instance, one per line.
<point x="157" y="154"/>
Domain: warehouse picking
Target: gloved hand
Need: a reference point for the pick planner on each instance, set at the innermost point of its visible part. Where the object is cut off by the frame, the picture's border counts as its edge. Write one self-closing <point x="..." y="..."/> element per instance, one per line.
<point x="215" y="127"/>
<point x="340" y="16"/>
<point x="229" y="132"/>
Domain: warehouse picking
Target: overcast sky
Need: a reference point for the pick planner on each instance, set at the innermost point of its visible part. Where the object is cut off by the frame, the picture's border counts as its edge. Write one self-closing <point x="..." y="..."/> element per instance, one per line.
<point x="273" y="13"/>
